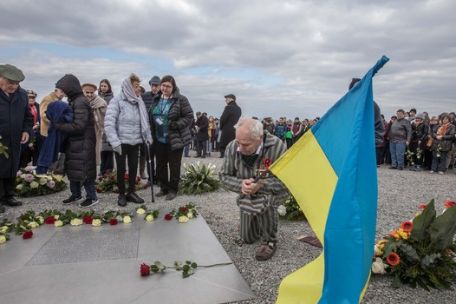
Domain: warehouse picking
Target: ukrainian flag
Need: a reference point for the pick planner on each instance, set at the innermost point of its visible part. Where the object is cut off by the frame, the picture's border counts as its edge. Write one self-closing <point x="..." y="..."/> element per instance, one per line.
<point x="331" y="171"/>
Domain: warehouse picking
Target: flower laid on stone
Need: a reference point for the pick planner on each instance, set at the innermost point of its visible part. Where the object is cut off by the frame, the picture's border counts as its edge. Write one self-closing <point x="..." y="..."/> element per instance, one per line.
<point x="108" y="183"/>
<point x="5" y="228"/>
<point x="27" y="234"/>
<point x="421" y="252"/>
<point x="188" y="268"/>
<point x="183" y="214"/>
<point x="198" y="178"/>
<point x="448" y="204"/>
<point x="290" y="210"/>
<point x="28" y="183"/>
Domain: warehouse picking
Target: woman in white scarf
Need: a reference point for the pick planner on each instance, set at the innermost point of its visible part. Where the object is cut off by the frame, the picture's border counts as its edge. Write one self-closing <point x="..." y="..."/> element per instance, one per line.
<point x="127" y="128"/>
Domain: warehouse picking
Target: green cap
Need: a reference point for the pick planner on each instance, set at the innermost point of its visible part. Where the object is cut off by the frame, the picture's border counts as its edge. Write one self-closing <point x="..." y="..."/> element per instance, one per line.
<point x="11" y="72"/>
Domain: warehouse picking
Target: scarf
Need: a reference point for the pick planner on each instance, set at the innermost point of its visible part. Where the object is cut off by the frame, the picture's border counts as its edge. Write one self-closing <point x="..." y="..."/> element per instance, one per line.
<point x="128" y="94"/>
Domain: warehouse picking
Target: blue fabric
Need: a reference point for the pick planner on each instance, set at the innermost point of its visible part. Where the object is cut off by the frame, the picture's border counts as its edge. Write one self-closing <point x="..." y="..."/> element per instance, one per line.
<point x="160" y="112"/>
<point x="346" y="135"/>
<point x="57" y="112"/>
<point x="397" y="154"/>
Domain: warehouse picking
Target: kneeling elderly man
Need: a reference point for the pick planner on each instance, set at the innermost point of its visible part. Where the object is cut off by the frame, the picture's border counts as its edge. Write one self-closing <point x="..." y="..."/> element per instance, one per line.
<point x="244" y="171"/>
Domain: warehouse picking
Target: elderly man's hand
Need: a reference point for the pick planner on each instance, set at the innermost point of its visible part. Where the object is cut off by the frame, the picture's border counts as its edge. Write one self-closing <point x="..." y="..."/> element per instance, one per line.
<point x="249" y="187"/>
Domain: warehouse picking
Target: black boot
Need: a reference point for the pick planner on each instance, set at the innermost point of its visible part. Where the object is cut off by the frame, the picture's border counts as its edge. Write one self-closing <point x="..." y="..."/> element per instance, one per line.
<point x="122" y="200"/>
<point x="134" y="198"/>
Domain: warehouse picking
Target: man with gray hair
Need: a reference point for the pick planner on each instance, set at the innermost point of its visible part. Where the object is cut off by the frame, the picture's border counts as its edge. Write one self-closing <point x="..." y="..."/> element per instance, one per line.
<point x="245" y="171"/>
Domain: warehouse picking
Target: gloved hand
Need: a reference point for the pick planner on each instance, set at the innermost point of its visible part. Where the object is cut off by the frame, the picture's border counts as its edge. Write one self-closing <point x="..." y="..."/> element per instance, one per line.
<point x="118" y="149"/>
<point x="173" y="125"/>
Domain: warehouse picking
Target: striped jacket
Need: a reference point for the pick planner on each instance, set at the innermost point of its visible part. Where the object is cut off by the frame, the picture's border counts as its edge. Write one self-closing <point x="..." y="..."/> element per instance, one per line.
<point x="234" y="170"/>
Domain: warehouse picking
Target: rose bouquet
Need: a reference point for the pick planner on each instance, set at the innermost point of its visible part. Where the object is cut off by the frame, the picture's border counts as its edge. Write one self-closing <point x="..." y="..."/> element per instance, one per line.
<point x="108" y="183"/>
<point x="290" y="210"/>
<point x="421" y="252"/>
<point x="183" y="214"/>
<point x="28" y="183"/>
<point x="198" y="178"/>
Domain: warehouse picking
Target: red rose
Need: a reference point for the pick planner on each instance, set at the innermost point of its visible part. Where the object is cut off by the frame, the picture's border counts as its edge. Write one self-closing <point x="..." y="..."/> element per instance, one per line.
<point x="168" y="216"/>
<point x="393" y="259"/>
<point x="407" y="226"/>
<point x="422" y="206"/>
<point x="138" y="179"/>
<point x="113" y="221"/>
<point x="98" y="190"/>
<point x="449" y="204"/>
<point x="50" y="220"/>
<point x="183" y="210"/>
<point x="27" y="234"/>
<point x="87" y="219"/>
<point x="267" y="162"/>
<point x="144" y="270"/>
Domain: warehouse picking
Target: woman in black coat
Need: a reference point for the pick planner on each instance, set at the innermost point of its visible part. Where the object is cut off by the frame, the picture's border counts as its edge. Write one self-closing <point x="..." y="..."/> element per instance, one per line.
<point x="80" y="158"/>
<point x="229" y="118"/>
<point x="170" y="119"/>
<point x="15" y="128"/>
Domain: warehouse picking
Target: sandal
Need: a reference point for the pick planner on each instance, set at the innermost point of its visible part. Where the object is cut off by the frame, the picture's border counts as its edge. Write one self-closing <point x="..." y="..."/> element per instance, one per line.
<point x="265" y="251"/>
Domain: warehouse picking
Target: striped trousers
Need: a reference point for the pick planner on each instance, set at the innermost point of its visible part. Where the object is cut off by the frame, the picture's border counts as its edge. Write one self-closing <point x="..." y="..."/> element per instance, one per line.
<point x="256" y="226"/>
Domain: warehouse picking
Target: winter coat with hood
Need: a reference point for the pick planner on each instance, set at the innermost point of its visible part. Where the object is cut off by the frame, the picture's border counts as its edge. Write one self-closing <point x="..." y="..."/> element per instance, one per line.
<point x="180" y="112"/>
<point x="105" y="146"/>
<point x="15" y="118"/>
<point x="202" y="123"/>
<point x="123" y="118"/>
<point x="80" y="155"/>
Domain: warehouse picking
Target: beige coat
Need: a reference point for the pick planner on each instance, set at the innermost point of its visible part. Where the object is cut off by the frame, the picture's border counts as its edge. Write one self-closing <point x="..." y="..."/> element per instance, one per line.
<point x="99" y="107"/>
<point x="44" y="124"/>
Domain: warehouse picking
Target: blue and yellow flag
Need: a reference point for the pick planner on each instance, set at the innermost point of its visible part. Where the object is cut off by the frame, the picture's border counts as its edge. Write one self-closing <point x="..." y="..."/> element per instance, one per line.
<point x="331" y="172"/>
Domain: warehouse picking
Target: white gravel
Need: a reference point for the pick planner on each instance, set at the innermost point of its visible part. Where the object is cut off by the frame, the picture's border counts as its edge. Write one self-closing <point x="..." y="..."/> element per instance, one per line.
<point x="400" y="192"/>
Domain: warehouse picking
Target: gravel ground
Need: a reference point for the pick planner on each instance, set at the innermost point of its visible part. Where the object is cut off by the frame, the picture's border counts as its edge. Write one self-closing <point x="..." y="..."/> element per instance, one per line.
<point x="400" y="192"/>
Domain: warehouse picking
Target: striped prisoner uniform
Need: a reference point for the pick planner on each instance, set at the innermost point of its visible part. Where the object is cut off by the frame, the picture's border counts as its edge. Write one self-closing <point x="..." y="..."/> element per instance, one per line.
<point x="254" y="224"/>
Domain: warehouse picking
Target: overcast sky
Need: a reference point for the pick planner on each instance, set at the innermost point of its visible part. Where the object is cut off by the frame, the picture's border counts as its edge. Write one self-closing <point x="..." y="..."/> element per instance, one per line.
<point x="293" y="58"/>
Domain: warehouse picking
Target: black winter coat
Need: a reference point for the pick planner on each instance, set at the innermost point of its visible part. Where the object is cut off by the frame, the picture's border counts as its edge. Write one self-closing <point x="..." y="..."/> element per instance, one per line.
<point x="180" y="112"/>
<point x="229" y="118"/>
<point x="80" y="158"/>
<point x="202" y="123"/>
<point x="15" y="118"/>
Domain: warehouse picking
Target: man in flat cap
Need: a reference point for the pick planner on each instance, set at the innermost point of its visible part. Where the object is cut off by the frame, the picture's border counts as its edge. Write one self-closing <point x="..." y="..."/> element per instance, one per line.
<point x="229" y="118"/>
<point x="16" y="124"/>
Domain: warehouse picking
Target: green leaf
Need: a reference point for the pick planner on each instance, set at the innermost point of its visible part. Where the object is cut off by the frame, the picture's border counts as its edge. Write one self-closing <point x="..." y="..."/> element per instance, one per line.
<point x="422" y="222"/>
<point x="443" y="229"/>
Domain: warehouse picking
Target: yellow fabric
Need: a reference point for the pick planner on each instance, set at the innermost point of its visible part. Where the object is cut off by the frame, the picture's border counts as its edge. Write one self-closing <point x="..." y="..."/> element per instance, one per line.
<point x="309" y="176"/>
<point x="44" y="124"/>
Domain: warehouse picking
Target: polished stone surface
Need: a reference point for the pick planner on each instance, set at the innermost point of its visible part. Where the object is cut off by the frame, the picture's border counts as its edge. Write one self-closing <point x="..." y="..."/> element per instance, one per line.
<point x="101" y="265"/>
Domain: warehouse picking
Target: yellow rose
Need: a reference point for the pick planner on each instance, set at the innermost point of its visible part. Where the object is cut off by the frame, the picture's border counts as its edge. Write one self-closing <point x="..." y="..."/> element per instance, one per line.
<point x="404" y="235"/>
<point x="2" y="239"/>
<point x="58" y="178"/>
<point x="3" y="229"/>
<point x="76" y="222"/>
<point x="127" y="219"/>
<point x="58" y="223"/>
<point x="40" y="219"/>
<point x="96" y="222"/>
<point x="140" y="211"/>
<point x="34" y="185"/>
<point x="378" y="250"/>
<point x="190" y="215"/>
<point x="183" y="219"/>
<point x="149" y="218"/>
<point x="33" y="225"/>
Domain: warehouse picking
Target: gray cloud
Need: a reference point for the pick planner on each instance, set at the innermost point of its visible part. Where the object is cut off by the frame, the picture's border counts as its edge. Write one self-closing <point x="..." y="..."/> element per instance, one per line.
<point x="311" y="49"/>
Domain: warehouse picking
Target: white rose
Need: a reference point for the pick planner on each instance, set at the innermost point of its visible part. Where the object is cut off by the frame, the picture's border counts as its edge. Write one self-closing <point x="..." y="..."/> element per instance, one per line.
<point x="3" y="229"/>
<point x="190" y="215"/>
<point x="140" y="211"/>
<point x="43" y="181"/>
<point x="58" y="224"/>
<point x="126" y="219"/>
<point x="76" y="222"/>
<point x="149" y="218"/>
<point x="96" y="222"/>
<point x="33" y="225"/>
<point x="183" y="219"/>
<point x="19" y="187"/>
<point x="40" y="219"/>
<point x="282" y="210"/>
<point x="34" y="185"/>
<point x="56" y="217"/>
<point x="378" y="267"/>
<point x="2" y="239"/>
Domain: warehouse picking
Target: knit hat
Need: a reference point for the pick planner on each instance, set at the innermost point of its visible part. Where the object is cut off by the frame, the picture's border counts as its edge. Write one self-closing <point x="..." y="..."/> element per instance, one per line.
<point x="420" y="116"/>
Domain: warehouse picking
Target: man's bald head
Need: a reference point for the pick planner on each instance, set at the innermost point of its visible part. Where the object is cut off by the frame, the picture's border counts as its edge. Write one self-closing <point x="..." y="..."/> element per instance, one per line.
<point x="249" y="134"/>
